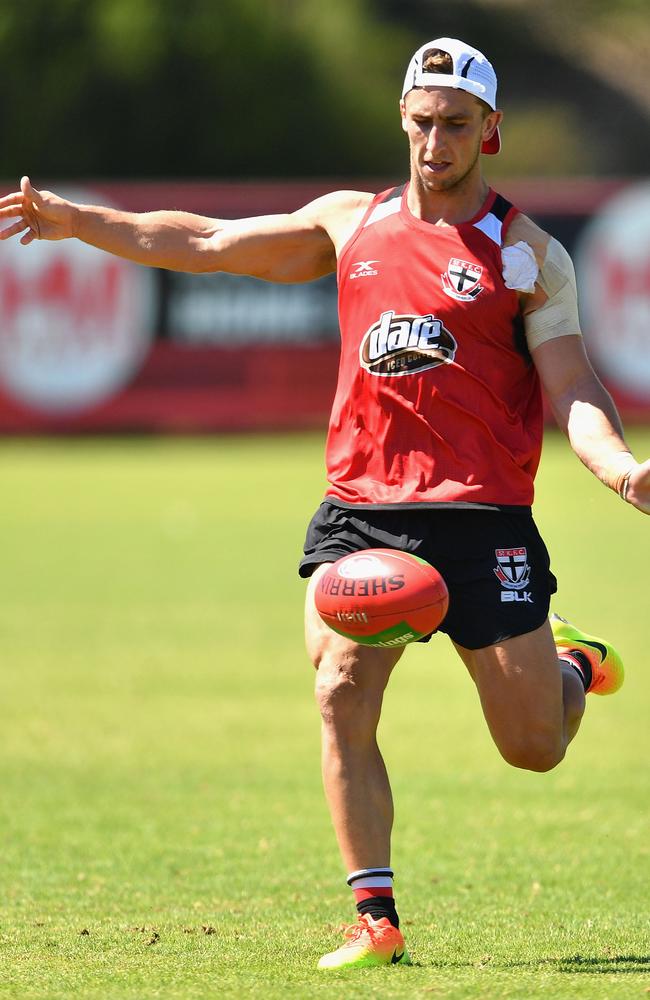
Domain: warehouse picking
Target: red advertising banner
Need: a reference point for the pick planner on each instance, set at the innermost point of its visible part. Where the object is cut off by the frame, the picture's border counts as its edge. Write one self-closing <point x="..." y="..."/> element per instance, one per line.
<point x="201" y="389"/>
<point x="90" y="343"/>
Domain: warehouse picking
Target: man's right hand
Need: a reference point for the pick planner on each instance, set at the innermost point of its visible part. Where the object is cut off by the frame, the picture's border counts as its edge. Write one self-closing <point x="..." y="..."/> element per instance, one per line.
<point x="41" y="215"/>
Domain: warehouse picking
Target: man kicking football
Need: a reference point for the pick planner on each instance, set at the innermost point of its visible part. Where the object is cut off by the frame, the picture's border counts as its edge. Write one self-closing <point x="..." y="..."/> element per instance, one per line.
<point x="455" y="309"/>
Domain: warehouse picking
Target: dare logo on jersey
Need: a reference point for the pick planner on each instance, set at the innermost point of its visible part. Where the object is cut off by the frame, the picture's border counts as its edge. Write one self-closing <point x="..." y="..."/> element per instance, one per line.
<point x="401" y="345"/>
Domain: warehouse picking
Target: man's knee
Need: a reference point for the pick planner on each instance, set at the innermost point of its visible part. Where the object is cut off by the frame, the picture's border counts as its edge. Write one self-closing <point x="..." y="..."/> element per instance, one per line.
<point x="534" y="751"/>
<point x="340" y="695"/>
<point x="350" y="684"/>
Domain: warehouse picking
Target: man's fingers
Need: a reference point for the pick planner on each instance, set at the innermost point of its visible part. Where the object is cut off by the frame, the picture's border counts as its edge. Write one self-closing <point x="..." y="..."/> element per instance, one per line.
<point x="18" y="227"/>
<point x="21" y="202"/>
<point x="9" y="211"/>
<point x="11" y="200"/>
<point x="27" y="192"/>
<point x="30" y="192"/>
<point x="24" y="205"/>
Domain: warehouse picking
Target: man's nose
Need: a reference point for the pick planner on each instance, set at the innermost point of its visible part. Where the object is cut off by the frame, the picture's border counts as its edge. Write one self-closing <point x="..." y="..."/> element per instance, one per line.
<point x="436" y="139"/>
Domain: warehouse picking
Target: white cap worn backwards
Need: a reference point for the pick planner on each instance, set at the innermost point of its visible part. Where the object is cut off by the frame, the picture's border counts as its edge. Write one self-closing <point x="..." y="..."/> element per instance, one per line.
<point x="472" y="73"/>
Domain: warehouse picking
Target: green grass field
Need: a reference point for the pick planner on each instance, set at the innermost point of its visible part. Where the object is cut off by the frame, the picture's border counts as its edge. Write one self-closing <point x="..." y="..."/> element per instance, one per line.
<point x="163" y="829"/>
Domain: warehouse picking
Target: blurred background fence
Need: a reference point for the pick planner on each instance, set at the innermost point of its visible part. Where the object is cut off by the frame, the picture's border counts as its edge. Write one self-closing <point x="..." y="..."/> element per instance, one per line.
<point x="244" y="107"/>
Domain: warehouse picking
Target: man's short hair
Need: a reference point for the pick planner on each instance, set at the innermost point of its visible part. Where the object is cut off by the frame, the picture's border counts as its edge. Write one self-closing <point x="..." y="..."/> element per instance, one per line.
<point x="438" y="61"/>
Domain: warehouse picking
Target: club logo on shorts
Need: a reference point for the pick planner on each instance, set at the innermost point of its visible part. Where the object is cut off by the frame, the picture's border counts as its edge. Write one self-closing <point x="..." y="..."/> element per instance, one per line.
<point x="512" y="569"/>
<point x="401" y="345"/>
<point x="461" y="280"/>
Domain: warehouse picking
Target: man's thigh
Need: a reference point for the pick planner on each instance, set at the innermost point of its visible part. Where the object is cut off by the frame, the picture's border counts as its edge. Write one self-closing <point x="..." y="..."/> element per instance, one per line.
<point x="497" y="569"/>
<point x="519" y="683"/>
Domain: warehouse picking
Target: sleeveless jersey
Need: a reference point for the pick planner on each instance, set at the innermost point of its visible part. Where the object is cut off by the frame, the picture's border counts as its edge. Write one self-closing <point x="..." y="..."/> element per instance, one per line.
<point x="437" y="401"/>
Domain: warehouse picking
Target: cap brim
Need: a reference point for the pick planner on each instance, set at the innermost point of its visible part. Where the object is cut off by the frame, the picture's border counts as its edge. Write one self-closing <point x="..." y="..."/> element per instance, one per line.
<point x="493" y="144"/>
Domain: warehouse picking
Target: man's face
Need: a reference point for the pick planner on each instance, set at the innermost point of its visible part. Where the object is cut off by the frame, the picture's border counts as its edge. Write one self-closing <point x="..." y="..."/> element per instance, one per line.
<point x="446" y="128"/>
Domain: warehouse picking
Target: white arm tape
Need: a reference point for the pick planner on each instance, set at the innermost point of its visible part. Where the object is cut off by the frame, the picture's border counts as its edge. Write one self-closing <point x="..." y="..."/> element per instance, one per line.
<point x="558" y="317"/>
<point x="520" y="268"/>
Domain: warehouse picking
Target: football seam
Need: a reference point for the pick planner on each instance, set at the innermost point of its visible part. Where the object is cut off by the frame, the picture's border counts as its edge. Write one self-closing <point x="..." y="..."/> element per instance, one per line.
<point x="385" y="614"/>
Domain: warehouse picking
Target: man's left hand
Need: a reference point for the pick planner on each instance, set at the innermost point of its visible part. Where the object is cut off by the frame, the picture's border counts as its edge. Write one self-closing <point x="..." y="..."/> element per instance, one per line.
<point x="638" y="490"/>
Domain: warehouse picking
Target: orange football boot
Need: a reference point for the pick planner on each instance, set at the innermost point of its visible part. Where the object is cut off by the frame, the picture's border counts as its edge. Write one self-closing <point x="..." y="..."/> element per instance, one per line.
<point x="607" y="672"/>
<point x="368" y="942"/>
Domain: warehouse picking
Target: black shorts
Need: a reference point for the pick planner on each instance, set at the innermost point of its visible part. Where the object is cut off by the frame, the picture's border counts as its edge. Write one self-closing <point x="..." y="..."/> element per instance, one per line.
<point x="494" y="562"/>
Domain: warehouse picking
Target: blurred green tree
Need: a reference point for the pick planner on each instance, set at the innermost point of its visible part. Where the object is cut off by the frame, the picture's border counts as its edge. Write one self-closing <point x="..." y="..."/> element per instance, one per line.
<point x="272" y="88"/>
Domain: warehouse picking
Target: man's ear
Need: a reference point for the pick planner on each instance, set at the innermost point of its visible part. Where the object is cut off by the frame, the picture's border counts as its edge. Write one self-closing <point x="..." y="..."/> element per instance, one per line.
<point x="402" y="111"/>
<point x="491" y="124"/>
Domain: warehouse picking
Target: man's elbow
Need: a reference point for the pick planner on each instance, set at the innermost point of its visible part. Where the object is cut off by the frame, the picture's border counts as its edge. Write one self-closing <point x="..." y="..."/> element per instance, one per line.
<point x="201" y="256"/>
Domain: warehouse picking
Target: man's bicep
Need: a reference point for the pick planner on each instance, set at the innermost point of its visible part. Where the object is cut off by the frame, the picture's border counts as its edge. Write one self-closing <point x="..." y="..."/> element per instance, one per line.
<point x="274" y="247"/>
<point x="294" y="247"/>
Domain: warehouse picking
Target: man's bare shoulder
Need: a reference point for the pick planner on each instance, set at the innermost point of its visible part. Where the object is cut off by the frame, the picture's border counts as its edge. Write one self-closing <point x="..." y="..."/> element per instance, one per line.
<point x="549" y="304"/>
<point x="523" y="230"/>
<point x="554" y="264"/>
<point x="338" y="202"/>
<point x="338" y="213"/>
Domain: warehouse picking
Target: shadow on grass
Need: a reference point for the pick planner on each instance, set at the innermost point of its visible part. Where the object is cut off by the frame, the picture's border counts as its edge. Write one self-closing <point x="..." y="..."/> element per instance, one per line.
<point x="610" y="964"/>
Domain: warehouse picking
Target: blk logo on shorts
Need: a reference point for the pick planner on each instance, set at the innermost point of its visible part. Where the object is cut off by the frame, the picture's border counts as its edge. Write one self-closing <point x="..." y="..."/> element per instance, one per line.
<point x="461" y="280"/>
<point x="512" y="569"/>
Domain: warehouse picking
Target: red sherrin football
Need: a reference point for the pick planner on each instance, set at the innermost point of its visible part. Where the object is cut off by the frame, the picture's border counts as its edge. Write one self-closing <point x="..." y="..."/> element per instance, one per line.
<point x="382" y="597"/>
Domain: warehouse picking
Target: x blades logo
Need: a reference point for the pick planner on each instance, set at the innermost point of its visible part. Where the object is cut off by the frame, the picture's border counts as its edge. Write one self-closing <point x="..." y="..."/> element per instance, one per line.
<point x="364" y="269"/>
<point x="461" y="280"/>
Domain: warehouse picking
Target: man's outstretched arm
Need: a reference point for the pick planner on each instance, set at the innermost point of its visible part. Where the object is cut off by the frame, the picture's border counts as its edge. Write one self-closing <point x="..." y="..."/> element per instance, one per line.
<point x="582" y="407"/>
<point x="586" y="413"/>
<point x="292" y="247"/>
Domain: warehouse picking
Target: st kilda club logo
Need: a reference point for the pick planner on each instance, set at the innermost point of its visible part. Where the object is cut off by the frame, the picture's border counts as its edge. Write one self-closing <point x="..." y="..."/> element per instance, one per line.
<point x="512" y="569"/>
<point x="401" y="345"/>
<point x="461" y="280"/>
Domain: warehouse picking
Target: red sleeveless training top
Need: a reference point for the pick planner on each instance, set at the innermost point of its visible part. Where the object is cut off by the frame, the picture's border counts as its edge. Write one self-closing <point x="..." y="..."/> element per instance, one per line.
<point x="437" y="401"/>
